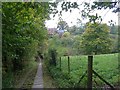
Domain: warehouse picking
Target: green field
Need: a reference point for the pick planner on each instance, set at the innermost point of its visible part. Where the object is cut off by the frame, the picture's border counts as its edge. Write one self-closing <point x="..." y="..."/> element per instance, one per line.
<point x="106" y="65"/>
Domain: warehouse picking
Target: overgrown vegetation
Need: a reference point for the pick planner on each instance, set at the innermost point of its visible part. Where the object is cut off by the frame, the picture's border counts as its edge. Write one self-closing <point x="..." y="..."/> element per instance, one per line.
<point x="49" y="82"/>
<point x="23" y="32"/>
<point x="94" y="40"/>
<point x="24" y="36"/>
<point x="25" y="78"/>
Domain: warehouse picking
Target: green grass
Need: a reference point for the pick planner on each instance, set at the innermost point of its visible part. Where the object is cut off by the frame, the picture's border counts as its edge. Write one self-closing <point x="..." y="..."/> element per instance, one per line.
<point x="48" y="81"/>
<point x="106" y="65"/>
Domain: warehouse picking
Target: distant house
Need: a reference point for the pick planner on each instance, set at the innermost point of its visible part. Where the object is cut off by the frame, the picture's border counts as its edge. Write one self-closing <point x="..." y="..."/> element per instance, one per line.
<point x="52" y="31"/>
<point x="60" y="32"/>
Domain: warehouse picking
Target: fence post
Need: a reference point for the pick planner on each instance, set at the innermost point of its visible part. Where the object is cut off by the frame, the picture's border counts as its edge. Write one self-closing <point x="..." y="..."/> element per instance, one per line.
<point x="90" y="64"/>
<point x="68" y="64"/>
<point x="60" y="64"/>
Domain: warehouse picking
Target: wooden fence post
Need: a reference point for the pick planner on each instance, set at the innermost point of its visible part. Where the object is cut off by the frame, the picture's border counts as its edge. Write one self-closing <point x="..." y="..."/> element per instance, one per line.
<point x="68" y="64"/>
<point x="90" y="64"/>
<point x="60" y="64"/>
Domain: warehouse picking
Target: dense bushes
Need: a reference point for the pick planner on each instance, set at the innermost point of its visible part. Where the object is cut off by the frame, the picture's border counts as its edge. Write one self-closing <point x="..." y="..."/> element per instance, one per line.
<point x="23" y="33"/>
<point x="52" y="57"/>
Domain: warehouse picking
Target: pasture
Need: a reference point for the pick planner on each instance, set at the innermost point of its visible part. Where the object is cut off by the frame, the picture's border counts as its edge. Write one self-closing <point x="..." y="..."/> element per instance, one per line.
<point x="106" y="65"/>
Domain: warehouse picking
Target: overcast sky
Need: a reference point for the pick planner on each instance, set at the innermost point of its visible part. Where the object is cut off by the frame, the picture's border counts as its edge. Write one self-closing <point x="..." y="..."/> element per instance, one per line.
<point x="71" y="18"/>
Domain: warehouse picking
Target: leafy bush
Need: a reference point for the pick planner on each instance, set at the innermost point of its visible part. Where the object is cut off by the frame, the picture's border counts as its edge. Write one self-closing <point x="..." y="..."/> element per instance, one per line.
<point x="52" y="56"/>
<point x="22" y="33"/>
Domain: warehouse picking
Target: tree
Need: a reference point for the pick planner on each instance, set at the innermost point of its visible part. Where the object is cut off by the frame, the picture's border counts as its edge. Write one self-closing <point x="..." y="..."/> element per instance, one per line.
<point x="23" y="32"/>
<point x="105" y="5"/>
<point x="96" y="39"/>
<point x="114" y="30"/>
<point x="76" y="44"/>
<point x="62" y="25"/>
<point x="66" y="34"/>
<point x="88" y="8"/>
<point x="74" y="30"/>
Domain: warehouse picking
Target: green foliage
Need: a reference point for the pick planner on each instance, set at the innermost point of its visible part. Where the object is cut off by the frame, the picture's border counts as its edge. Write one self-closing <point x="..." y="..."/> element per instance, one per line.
<point x="63" y="45"/>
<point x="77" y="44"/>
<point x="63" y="80"/>
<point x="66" y="34"/>
<point x="65" y="6"/>
<point x="8" y="80"/>
<point x="87" y="10"/>
<point x="96" y="39"/>
<point x="62" y="25"/>
<point x="114" y="30"/>
<point x="114" y="42"/>
<point x="23" y="32"/>
<point x="67" y="41"/>
<point x="52" y="56"/>
<point x="105" y="5"/>
<point x="74" y="30"/>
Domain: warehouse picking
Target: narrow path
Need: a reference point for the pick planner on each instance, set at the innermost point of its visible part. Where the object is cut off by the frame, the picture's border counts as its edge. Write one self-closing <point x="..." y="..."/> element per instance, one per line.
<point x="38" y="82"/>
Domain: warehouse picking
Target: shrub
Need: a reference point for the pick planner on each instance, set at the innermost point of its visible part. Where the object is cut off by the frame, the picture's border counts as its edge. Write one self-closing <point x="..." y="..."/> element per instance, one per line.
<point x="52" y="56"/>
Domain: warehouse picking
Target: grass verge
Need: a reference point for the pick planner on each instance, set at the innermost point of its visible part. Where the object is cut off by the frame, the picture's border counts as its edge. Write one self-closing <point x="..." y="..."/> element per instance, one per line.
<point x="48" y="80"/>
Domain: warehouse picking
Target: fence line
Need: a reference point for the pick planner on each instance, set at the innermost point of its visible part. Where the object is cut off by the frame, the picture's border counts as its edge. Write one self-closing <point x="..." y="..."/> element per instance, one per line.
<point x="90" y="71"/>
